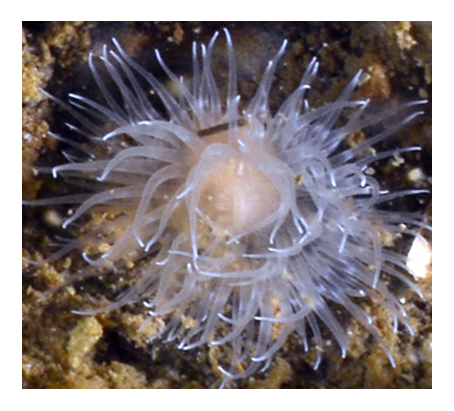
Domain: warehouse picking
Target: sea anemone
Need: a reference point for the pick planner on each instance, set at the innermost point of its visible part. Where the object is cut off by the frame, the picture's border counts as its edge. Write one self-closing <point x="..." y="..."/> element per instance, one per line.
<point x="254" y="225"/>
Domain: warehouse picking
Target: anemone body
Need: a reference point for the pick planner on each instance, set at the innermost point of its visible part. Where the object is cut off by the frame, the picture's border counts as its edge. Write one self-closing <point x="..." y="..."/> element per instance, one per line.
<point x="256" y="223"/>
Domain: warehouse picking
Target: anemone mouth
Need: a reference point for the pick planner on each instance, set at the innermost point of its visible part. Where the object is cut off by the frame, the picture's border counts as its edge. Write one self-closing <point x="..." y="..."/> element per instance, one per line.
<point x="257" y="220"/>
<point x="232" y="197"/>
<point x="236" y="183"/>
